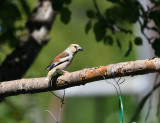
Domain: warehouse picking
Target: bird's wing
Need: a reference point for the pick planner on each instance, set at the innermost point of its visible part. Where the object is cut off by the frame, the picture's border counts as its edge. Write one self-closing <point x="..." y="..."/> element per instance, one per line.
<point x="61" y="58"/>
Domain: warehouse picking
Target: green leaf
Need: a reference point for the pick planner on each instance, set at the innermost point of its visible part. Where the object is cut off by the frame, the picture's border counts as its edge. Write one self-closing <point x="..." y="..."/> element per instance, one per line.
<point x="57" y="4"/>
<point x="108" y="40"/>
<point x="90" y="14"/>
<point x="138" y="41"/>
<point x="119" y="43"/>
<point x="116" y="13"/>
<point x="155" y="2"/>
<point x="65" y="15"/>
<point x="129" y="49"/>
<point x="99" y="31"/>
<point x="67" y="1"/>
<point x="114" y="1"/>
<point x="155" y="15"/>
<point x="156" y="46"/>
<point x="88" y="26"/>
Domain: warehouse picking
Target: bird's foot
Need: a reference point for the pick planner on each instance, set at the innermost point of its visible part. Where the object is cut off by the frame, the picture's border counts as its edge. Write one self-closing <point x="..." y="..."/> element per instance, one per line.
<point x="47" y="78"/>
<point x="65" y="72"/>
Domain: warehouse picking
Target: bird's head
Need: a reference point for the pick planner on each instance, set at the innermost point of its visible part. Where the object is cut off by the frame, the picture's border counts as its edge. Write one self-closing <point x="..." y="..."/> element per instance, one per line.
<point x="74" y="48"/>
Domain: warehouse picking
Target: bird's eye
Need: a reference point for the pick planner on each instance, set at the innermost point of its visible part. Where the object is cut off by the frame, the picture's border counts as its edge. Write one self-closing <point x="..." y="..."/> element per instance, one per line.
<point x="75" y="47"/>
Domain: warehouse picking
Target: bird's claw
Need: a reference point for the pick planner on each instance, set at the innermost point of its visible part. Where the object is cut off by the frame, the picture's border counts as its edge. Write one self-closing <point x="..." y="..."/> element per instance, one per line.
<point x="65" y="72"/>
<point x="47" y="78"/>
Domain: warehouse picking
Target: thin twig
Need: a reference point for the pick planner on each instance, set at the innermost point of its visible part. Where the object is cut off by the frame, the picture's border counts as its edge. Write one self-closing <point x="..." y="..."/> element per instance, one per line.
<point x="117" y="82"/>
<point x="62" y="103"/>
<point x="56" y="95"/>
<point x="158" y="106"/>
<point x="52" y="115"/>
<point x="139" y="21"/>
<point x="122" y="82"/>
<point x="150" y="101"/>
<point x="142" y="30"/>
<point x="107" y="24"/>
<point x="149" y="109"/>
<point x="118" y="92"/>
<point x="143" y="101"/>
<point x="108" y="82"/>
<point x="97" y="9"/>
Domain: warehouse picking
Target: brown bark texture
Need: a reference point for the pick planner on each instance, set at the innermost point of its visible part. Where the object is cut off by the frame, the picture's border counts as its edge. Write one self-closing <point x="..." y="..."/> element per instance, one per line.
<point x="81" y="77"/>
<point x="35" y="37"/>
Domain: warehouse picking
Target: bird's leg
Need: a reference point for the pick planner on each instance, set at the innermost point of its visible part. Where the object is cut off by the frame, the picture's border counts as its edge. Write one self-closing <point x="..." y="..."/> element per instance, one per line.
<point x="65" y="72"/>
<point x="57" y="72"/>
<point x="50" y="73"/>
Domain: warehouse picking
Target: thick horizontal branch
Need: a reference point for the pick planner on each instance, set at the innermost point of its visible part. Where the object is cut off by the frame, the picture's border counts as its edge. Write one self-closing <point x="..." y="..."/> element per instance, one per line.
<point x="81" y="77"/>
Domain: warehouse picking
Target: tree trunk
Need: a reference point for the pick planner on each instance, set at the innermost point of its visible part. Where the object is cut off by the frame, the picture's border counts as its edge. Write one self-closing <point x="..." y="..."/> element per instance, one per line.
<point x="36" y="36"/>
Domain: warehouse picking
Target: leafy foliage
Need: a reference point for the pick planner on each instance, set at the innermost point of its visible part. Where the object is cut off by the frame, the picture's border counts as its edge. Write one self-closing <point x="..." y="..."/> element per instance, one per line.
<point x="156" y="46"/>
<point x="121" y="13"/>
<point x="108" y="40"/>
<point x="155" y="16"/>
<point x="67" y="1"/>
<point x="9" y="14"/>
<point x="12" y="19"/>
<point x="62" y="7"/>
<point x="99" y="31"/>
<point x="138" y="41"/>
<point x="129" y="49"/>
<point x="119" y="44"/>
<point x="65" y="15"/>
<point x="90" y="14"/>
<point x="156" y="2"/>
<point x="88" y="26"/>
<point x="57" y="4"/>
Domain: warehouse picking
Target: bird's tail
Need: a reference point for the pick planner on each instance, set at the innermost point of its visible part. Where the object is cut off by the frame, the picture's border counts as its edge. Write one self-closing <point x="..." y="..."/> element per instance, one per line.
<point x="49" y="67"/>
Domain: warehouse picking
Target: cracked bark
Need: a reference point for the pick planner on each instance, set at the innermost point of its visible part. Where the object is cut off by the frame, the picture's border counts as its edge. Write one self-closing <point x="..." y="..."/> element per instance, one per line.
<point x="36" y="36"/>
<point x="81" y="77"/>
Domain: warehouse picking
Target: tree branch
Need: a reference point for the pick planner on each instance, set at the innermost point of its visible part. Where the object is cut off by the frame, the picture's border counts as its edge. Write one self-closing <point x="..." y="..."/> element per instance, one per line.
<point x="142" y="103"/>
<point x="81" y="77"/>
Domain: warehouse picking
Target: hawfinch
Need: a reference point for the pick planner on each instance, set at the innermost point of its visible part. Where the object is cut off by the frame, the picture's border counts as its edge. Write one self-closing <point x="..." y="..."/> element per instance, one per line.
<point x="63" y="60"/>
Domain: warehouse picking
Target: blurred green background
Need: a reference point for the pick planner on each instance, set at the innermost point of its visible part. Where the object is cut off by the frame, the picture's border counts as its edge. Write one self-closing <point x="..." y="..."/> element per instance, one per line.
<point x="31" y="108"/>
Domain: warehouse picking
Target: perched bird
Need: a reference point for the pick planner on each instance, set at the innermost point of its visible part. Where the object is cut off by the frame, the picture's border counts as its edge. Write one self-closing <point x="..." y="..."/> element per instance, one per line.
<point x="63" y="60"/>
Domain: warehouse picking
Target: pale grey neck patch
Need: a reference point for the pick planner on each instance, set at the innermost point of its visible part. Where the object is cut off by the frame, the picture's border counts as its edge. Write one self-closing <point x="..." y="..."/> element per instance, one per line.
<point x="68" y="51"/>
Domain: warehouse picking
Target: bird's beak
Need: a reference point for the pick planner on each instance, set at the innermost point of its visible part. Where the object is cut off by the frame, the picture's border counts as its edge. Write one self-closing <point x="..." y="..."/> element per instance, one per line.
<point x="79" y="49"/>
